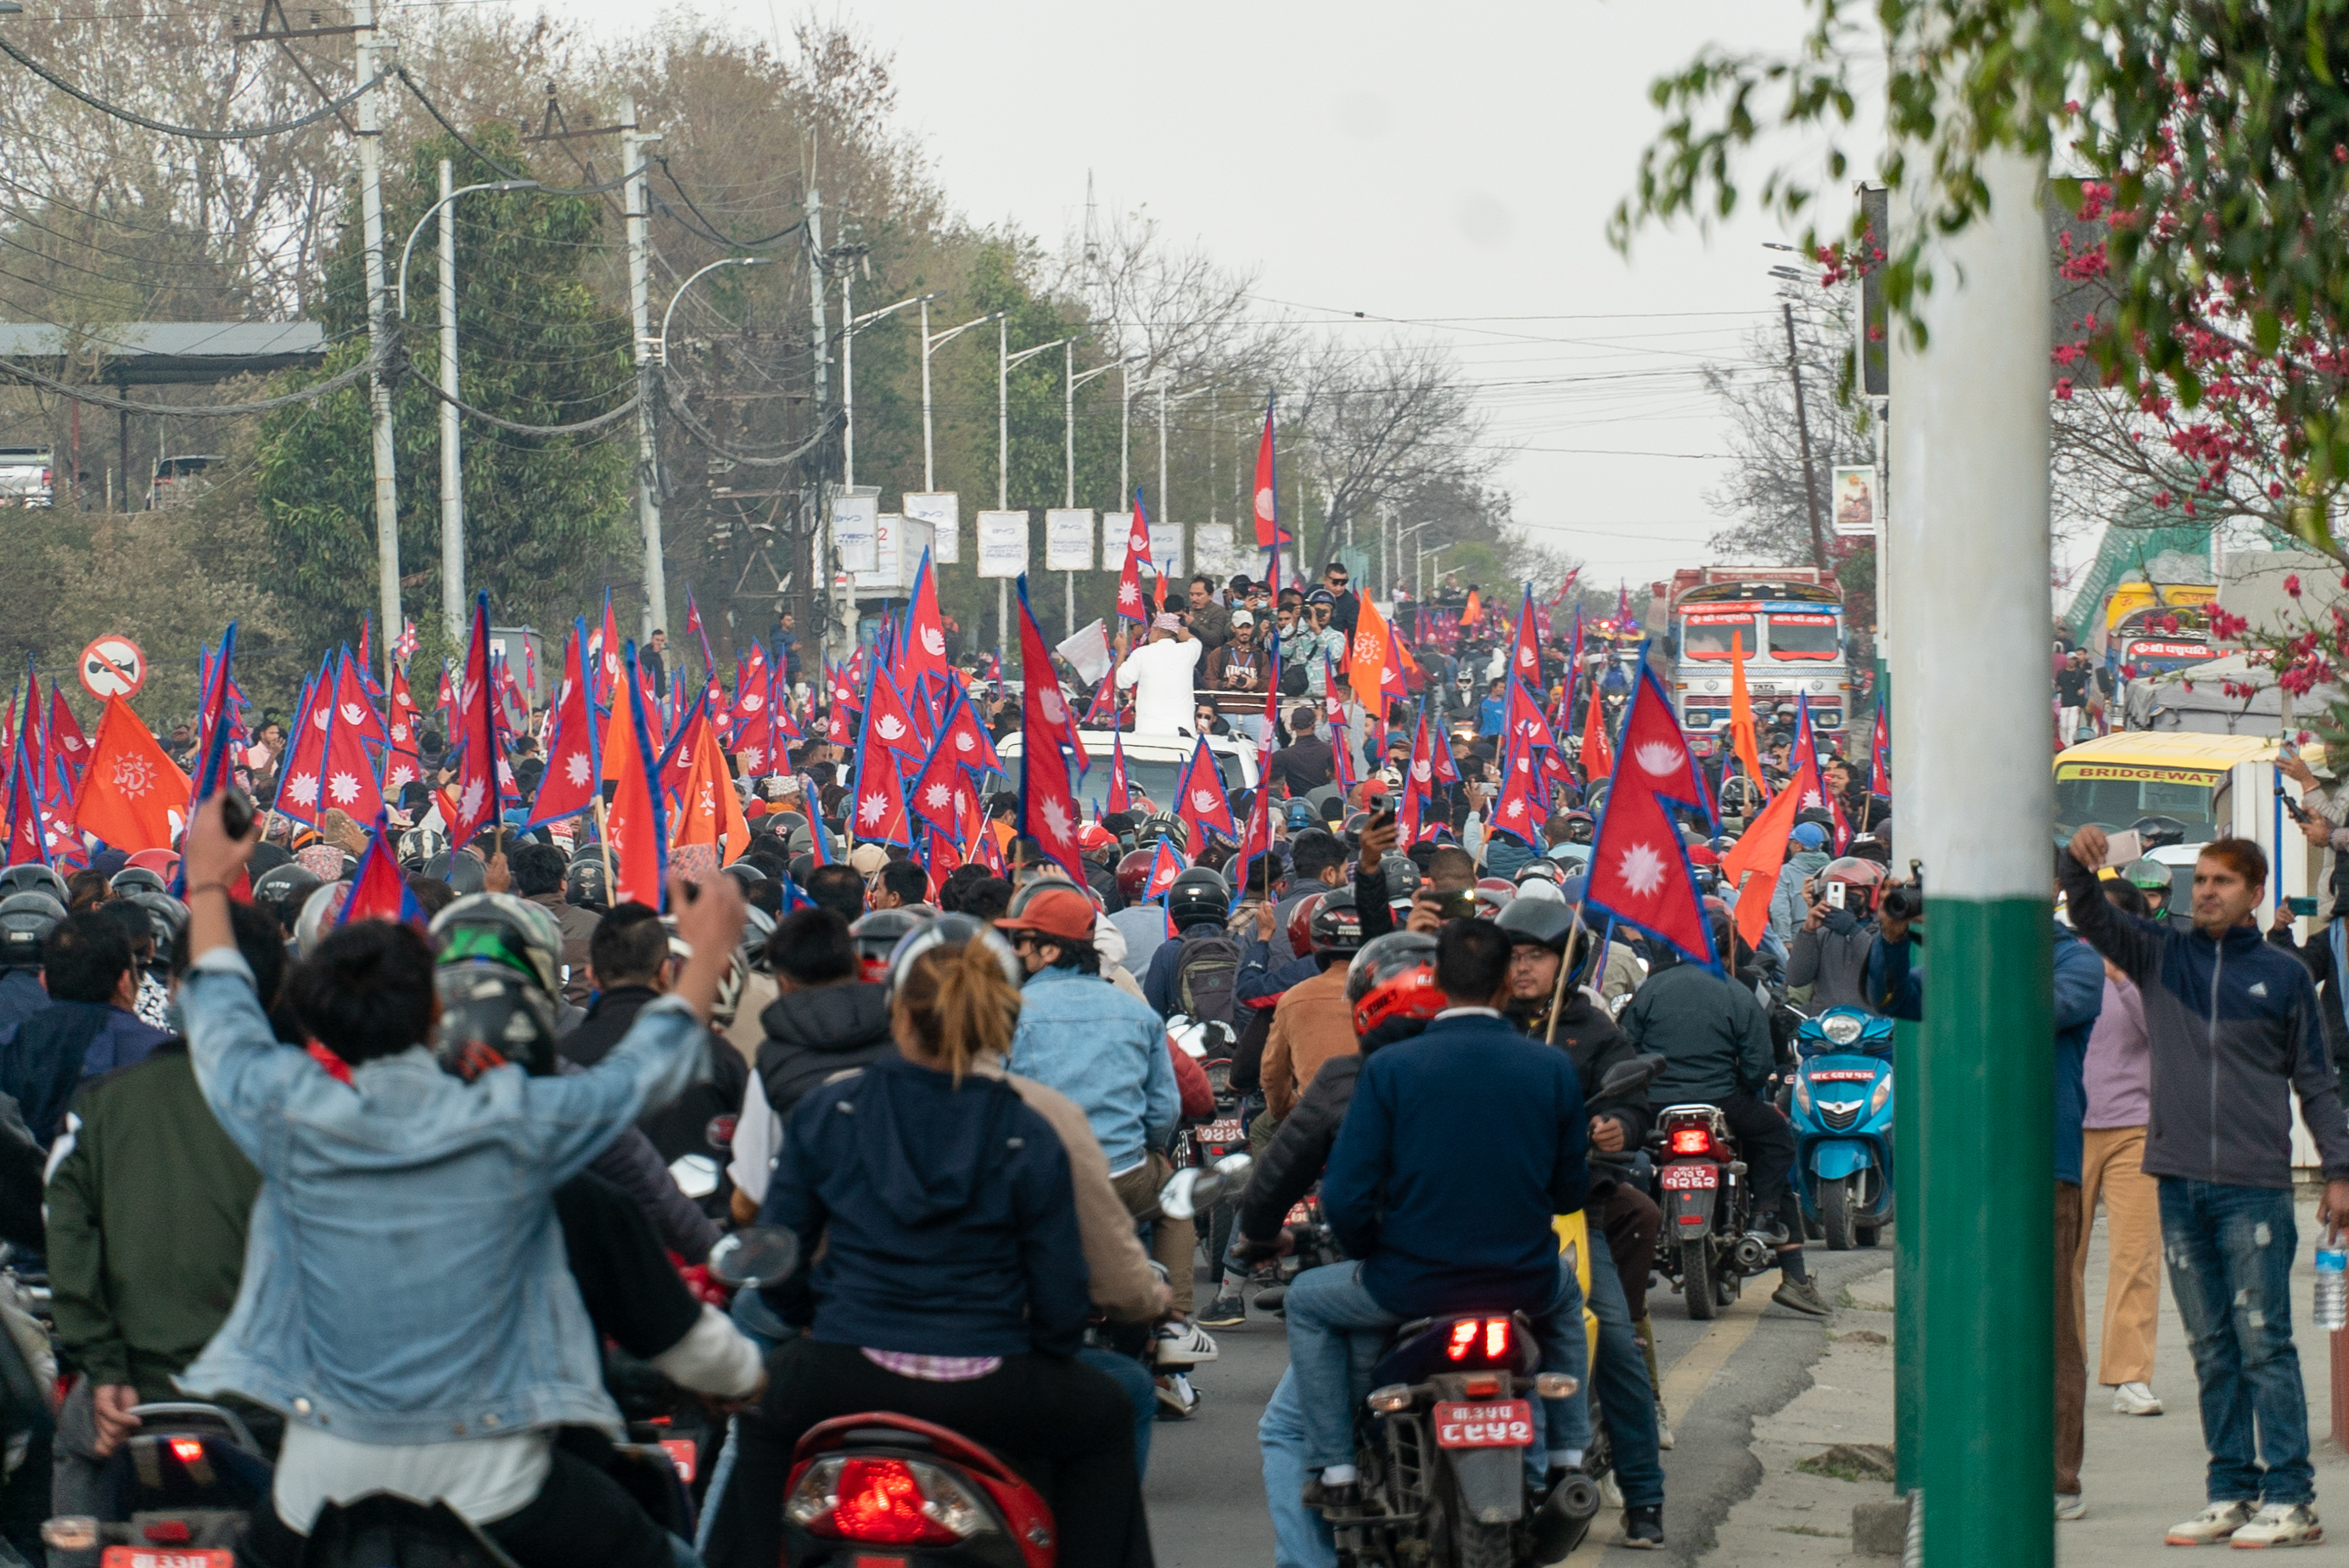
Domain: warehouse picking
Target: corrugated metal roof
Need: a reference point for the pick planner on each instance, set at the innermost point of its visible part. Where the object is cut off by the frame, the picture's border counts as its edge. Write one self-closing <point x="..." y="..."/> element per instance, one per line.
<point x="149" y="352"/>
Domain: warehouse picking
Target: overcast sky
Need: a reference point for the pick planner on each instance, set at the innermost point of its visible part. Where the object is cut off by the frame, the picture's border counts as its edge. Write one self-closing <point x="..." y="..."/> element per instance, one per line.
<point x="1447" y="167"/>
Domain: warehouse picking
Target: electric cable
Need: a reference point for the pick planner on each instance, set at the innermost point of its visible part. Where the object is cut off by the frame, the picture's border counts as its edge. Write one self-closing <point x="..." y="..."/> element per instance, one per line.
<point x="333" y="383"/>
<point x="709" y="230"/>
<point x="709" y="439"/>
<point x="240" y="133"/>
<point x="469" y="145"/>
<point x="520" y="428"/>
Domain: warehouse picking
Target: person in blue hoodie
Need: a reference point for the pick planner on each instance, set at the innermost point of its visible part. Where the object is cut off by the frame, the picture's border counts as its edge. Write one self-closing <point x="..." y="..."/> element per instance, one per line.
<point x="951" y="1285"/>
<point x="1440" y="1222"/>
<point x="87" y="1028"/>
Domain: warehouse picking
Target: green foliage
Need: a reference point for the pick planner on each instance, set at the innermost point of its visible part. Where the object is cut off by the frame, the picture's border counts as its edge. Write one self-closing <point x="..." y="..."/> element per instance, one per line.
<point x="2228" y="124"/>
<point x="547" y="519"/>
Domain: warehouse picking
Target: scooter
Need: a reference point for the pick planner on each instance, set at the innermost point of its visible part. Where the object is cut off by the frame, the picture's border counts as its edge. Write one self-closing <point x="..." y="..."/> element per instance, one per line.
<point x="1842" y="1114"/>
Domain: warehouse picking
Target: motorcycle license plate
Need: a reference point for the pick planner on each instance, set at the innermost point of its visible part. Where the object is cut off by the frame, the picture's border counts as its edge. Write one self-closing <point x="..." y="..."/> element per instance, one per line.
<point x="1225" y="1133"/>
<point x="1299" y="1215"/>
<point x="1689" y="1178"/>
<point x="684" y="1454"/>
<point x="1507" y="1424"/>
<point x="162" y="1557"/>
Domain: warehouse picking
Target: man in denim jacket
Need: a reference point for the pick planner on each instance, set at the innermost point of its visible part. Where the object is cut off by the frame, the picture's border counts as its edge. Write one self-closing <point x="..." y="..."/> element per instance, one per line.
<point x="406" y="1305"/>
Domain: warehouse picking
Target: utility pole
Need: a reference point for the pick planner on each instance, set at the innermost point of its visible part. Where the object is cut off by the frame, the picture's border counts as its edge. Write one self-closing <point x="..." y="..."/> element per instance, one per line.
<point x="820" y="572"/>
<point x="387" y="485"/>
<point x="1803" y="426"/>
<point x="1974" y="796"/>
<point x="453" y="488"/>
<point x="847" y="368"/>
<point x="638" y="212"/>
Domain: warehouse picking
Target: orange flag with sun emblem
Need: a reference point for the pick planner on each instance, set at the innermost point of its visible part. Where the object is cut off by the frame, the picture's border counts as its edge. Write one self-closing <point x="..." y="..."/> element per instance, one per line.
<point x="131" y="796"/>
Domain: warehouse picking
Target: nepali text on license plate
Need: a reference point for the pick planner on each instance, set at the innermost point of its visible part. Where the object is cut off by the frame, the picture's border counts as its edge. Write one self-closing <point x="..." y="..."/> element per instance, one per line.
<point x="1508" y="1424"/>
<point x="1689" y="1178"/>
<point x="1225" y="1132"/>
<point x="160" y="1557"/>
<point x="1299" y="1215"/>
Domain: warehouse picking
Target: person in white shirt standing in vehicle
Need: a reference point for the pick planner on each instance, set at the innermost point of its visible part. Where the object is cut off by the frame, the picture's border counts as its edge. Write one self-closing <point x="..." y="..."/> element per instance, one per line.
<point x="1164" y="672"/>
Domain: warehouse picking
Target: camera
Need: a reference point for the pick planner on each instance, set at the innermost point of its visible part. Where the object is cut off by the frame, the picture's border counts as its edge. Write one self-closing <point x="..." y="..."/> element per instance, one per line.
<point x="1906" y="900"/>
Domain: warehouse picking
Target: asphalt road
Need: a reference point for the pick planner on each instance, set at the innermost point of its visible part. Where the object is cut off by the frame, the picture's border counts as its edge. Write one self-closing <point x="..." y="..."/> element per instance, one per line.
<point x="1206" y="1488"/>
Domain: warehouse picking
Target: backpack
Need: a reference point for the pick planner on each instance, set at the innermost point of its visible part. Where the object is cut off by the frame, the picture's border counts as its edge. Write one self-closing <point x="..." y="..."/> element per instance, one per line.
<point x="1205" y="977"/>
<point x="1295" y="680"/>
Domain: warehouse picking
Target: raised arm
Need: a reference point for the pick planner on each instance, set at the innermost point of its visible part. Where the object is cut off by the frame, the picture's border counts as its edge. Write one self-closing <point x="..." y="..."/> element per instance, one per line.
<point x="2134" y="945"/>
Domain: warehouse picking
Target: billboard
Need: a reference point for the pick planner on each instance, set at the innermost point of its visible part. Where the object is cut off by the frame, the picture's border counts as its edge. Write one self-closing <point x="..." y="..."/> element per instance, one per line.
<point x="942" y="510"/>
<point x="1002" y="543"/>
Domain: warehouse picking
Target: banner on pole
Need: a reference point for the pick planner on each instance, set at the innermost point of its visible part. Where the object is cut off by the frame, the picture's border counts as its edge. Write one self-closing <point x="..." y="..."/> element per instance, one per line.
<point x="1854" y="491"/>
<point x="1069" y="539"/>
<point x="1115" y="526"/>
<point x="1002" y="543"/>
<point x="942" y="510"/>
<point x="1213" y="550"/>
<point x="856" y="529"/>
<point x="1166" y="551"/>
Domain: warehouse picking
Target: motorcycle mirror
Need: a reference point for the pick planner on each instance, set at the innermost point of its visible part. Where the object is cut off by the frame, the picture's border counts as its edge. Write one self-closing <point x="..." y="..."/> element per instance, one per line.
<point x="1175" y="1199"/>
<point x="1625" y="1076"/>
<point x="753" y="1256"/>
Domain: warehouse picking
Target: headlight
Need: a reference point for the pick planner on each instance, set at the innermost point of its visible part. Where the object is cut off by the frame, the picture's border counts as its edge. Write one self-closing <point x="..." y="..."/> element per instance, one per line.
<point x="1842" y="1028"/>
<point x="1803" y="1093"/>
<point x="1883" y="1092"/>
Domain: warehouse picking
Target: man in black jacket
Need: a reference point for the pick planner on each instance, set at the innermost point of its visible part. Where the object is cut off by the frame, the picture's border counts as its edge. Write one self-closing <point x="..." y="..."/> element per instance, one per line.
<point x="1307" y="762"/>
<point x="826" y="1021"/>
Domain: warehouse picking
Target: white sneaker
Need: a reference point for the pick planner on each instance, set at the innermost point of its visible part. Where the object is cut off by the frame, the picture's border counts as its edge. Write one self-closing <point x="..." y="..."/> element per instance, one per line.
<point x="2071" y="1505"/>
<point x="1663" y="1427"/>
<point x="2215" y="1523"/>
<point x="2136" y="1399"/>
<point x="2281" y="1524"/>
<point x="1183" y="1344"/>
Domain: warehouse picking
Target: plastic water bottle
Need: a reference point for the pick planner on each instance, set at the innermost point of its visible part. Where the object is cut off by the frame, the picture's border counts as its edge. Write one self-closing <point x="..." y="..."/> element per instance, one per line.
<point x="2331" y="1283"/>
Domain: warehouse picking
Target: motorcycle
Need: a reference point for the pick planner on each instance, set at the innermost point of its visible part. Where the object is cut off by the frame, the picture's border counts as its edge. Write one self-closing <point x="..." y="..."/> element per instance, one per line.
<point x="1707" y="1247"/>
<point x="1842" y="1113"/>
<point x="877" y="1487"/>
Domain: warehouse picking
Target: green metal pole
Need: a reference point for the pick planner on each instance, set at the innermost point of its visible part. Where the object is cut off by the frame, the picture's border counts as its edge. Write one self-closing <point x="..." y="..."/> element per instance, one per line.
<point x="1968" y="541"/>
<point x="1908" y="1264"/>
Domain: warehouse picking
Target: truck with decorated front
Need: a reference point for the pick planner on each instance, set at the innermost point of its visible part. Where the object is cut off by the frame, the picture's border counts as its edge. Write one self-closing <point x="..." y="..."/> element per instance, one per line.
<point x="1786" y="623"/>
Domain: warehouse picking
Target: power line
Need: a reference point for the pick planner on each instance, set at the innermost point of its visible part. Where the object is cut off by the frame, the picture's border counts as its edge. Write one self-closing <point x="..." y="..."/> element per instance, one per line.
<point x="240" y="133"/>
<point x="333" y="383"/>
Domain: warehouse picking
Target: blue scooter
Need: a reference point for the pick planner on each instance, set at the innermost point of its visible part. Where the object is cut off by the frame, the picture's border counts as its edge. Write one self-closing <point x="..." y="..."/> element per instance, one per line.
<point x="1842" y="1112"/>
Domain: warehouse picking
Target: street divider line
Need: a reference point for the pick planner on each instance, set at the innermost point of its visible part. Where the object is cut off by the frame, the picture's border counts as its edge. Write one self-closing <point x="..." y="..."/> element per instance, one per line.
<point x="1690" y="1377"/>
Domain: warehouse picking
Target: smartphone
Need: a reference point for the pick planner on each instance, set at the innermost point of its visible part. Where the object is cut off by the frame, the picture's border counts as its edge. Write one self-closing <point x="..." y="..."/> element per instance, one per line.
<point x="1460" y="905"/>
<point x="1834" y="894"/>
<point x="2303" y="907"/>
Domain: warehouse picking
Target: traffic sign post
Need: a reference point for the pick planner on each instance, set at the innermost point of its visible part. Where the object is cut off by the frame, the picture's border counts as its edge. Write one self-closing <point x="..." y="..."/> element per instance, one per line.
<point x="112" y="667"/>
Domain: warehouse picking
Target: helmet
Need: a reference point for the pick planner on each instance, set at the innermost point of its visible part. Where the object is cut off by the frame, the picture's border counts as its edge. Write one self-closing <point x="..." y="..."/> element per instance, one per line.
<point x="1161" y="825"/>
<point x="1134" y="874"/>
<point x="34" y="879"/>
<point x="945" y="931"/>
<point x="26" y="918"/>
<point x="1390" y="987"/>
<point x="587" y="849"/>
<point x="419" y="845"/>
<point x="502" y="928"/>
<point x="877" y="936"/>
<point x="1737" y="794"/>
<point x="758" y="925"/>
<point x="1337" y="923"/>
<point x="1400" y="873"/>
<point x="318" y="914"/>
<point x="2147" y="875"/>
<point x="1300" y="922"/>
<point x="1581" y="827"/>
<point x="747" y="873"/>
<point x="1196" y="895"/>
<point x="583" y="885"/>
<point x="1502" y="889"/>
<point x="137" y="879"/>
<point x="280" y="892"/>
<point x="1538" y="922"/>
<point x="1535" y="890"/>
<point x="164" y="863"/>
<point x="1854" y="872"/>
<point x="460" y="869"/>
<point x="1539" y="870"/>
<point x="165" y="913"/>
<point x="1299" y="812"/>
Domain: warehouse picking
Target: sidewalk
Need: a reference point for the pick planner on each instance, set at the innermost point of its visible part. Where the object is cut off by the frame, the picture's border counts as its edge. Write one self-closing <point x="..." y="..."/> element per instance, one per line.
<point x="2141" y="1474"/>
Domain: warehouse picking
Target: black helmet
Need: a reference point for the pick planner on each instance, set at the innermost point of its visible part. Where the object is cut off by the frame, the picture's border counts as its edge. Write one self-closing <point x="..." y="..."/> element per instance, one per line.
<point x="876" y="936"/>
<point x="588" y="849"/>
<point x="1402" y="875"/>
<point x="282" y="892"/>
<point x="165" y="913"/>
<point x="34" y="879"/>
<point x="460" y="869"/>
<point x="419" y="845"/>
<point x="1537" y="923"/>
<point x="137" y="879"/>
<point x="26" y="918"/>
<point x="1337" y="926"/>
<point x="495" y="969"/>
<point x="1198" y="895"/>
<point x="584" y="884"/>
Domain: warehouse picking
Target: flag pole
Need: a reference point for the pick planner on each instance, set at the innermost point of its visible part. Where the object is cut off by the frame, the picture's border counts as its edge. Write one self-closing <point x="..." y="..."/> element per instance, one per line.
<point x="1558" y="991"/>
<point x="603" y="842"/>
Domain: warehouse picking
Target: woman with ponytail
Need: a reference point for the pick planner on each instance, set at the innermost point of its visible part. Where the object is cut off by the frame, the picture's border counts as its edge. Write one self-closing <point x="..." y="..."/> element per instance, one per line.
<point x="951" y="1284"/>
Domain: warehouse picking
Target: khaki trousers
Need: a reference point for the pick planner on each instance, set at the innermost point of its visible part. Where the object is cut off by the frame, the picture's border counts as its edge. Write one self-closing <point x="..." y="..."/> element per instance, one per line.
<point x="2112" y="1166"/>
<point x="1172" y="1241"/>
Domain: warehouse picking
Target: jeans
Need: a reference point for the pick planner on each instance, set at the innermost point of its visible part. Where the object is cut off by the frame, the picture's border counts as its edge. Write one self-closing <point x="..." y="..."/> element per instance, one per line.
<point x="1300" y="1536"/>
<point x="2230" y="1251"/>
<point x="1766" y="1139"/>
<point x="2071" y="1341"/>
<point x="1336" y="1330"/>
<point x="1626" y="1400"/>
<point x="1135" y="1381"/>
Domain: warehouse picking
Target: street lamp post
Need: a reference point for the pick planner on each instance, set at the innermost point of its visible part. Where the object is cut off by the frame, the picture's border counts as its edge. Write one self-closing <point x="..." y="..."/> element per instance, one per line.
<point x="1004" y="360"/>
<point x="851" y="326"/>
<point x="1419" y="560"/>
<point x="1069" y="427"/>
<point x="931" y="344"/>
<point x="1166" y="511"/>
<point x="1424" y="557"/>
<point x="453" y="488"/>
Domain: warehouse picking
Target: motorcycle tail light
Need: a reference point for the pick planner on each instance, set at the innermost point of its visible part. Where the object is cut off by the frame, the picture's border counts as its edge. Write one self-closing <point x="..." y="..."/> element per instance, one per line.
<point x="187" y="1450"/>
<point x="891" y="1501"/>
<point x="1463" y="1340"/>
<point x="1496" y="1338"/>
<point x="1691" y="1140"/>
<point x="1395" y="1397"/>
<point x="1481" y="1387"/>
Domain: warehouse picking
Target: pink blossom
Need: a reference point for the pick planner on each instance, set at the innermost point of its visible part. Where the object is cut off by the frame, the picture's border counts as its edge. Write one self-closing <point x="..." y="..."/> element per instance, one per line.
<point x="2291" y="584"/>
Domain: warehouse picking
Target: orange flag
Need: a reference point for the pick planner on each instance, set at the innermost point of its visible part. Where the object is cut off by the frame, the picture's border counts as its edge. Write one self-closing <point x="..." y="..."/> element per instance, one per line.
<point x="1762" y="851"/>
<point x="635" y="824"/>
<point x="1598" y="757"/>
<point x="1741" y="715"/>
<point x="131" y="796"/>
<point x="1366" y="668"/>
<point x="708" y="811"/>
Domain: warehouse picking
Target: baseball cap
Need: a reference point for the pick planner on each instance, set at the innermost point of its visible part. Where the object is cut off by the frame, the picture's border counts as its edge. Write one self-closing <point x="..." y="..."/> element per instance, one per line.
<point x="868" y="858"/>
<point x="1243" y="618"/>
<point x="1054" y="912"/>
<point x="1810" y="835"/>
<point x="1320" y="596"/>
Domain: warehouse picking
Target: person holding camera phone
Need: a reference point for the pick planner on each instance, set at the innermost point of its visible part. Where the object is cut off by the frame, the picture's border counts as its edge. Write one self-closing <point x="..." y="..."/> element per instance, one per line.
<point x="1830" y="950"/>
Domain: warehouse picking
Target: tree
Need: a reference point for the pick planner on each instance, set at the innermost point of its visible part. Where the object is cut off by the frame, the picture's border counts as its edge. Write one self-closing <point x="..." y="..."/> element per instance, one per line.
<point x="1378" y="424"/>
<point x="546" y="517"/>
<point x="1768" y="492"/>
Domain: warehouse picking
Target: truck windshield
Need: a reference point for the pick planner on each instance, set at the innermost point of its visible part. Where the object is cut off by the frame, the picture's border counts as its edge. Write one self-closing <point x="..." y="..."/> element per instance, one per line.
<point x="1709" y="637"/>
<point x="1805" y="636"/>
<point x="2115" y="796"/>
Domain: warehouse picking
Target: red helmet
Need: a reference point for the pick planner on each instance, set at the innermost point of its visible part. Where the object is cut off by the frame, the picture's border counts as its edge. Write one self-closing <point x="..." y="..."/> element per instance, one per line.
<point x="1300" y="922"/>
<point x="1134" y="874"/>
<point x="162" y="863"/>
<point x="1092" y="836"/>
<point x="1861" y="878"/>
<point x="1393" y="980"/>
